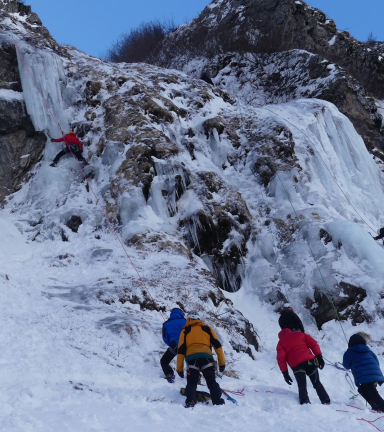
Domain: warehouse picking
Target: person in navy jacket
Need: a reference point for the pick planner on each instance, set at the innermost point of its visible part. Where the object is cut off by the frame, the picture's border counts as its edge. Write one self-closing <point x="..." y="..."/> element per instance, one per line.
<point x="365" y="370"/>
<point x="303" y="355"/>
<point x="171" y="334"/>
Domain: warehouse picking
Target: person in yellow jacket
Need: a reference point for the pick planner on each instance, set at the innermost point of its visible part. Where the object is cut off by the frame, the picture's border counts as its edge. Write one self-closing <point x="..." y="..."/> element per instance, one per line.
<point x="195" y="342"/>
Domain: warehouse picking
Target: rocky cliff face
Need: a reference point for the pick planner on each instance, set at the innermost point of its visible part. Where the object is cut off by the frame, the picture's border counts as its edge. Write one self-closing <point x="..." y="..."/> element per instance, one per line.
<point x="21" y="147"/>
<point x="266" y="27"/>
<point x="273" y="26"/>
<point x="137" y="124"/>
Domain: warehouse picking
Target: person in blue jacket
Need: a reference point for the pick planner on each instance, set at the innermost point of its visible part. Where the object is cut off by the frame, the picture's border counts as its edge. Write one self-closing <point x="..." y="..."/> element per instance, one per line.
<point x="365" y="370"/>
<point x="171" y="333"/>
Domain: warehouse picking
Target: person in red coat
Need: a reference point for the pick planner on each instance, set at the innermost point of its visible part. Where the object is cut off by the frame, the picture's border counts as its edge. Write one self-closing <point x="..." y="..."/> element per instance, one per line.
<point x="72" y="145"/>
<point x="303" y="355"/>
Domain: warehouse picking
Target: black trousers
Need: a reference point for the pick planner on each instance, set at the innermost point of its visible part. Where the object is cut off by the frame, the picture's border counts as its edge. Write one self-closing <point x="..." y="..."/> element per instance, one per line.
<point x="77" y="153"/>
<point x="168" y="356"/>
<point x="371" y="395"/>
<point x="301" y="371"/>
<point x="209" y="375"/>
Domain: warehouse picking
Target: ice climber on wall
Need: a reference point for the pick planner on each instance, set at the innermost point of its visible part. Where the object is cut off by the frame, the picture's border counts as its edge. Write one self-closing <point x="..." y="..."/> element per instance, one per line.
<point x="196" y="340"/>
<point x="365" y="370"/>
<point x="380" y="234"/>
<point x="72" y="145"/>
<point x="303" y="355"/>
<point x="171" y="333"/>
<point x="288" y="319"/>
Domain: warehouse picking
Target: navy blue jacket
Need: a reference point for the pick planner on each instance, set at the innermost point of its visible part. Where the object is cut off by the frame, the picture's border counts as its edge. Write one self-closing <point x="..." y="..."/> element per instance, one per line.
<point x="364" y="364"/>
<point x="172" y="328"/>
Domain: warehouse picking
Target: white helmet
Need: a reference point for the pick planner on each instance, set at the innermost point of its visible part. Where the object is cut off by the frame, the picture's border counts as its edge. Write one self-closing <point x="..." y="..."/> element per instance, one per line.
<point x="194" y="315"/>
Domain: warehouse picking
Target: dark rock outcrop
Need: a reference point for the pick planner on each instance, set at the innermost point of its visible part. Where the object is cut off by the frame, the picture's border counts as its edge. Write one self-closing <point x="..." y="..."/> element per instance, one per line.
<point x="21" y="147"/>
<point x="219" y="233"/>
<point x="346" y="302"/>
<point x="284" y="76"/>
<point x="74" y="223"/>
<point x="266" y="27"/>
<point x="30" y="21"/>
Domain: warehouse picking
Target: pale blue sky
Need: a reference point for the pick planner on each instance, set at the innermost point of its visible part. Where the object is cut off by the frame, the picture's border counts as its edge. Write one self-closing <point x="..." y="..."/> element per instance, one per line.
<point x="93" y="25"/>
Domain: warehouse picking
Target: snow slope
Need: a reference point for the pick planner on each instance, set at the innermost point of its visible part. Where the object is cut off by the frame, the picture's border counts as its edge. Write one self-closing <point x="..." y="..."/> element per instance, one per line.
<point x="63" y="369"/>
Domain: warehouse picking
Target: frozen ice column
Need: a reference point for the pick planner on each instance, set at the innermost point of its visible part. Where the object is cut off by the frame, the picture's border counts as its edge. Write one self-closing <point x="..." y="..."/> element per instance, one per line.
<point x="48" y="72"/>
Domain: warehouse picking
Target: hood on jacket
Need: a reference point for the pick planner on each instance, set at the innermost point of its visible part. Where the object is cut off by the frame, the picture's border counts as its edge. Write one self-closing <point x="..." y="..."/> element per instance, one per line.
<point x="284" y="332"/>
<point x="356" y="339"/>
<point x="192" y="322"/>
<point x="359" y="348"/>
<point x="176" y="314"/>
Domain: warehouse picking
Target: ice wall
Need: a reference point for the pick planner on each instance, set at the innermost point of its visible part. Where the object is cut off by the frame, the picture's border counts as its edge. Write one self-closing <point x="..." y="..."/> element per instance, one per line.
<point x="48" y="72"/>
<point x="339" y="177"/>
<point x="340" y="189"/>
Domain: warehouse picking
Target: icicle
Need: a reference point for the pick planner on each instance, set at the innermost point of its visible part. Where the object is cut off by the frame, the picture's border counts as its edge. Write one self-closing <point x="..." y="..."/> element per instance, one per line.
<point x="165" y="189"/>
<point x="48" y="72"/>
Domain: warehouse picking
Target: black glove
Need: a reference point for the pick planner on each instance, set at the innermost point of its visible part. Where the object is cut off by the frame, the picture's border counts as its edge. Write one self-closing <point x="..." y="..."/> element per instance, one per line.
<point x="222" y="368"/>
<point x="181" y="374"/>
<point x="52" y="140"/>
<point x="320" y="361"/>
<point x="287" y="378"/>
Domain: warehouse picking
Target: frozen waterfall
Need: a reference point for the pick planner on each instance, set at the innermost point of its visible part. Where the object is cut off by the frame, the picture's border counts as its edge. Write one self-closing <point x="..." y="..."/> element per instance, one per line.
<point x="48" y="72"/>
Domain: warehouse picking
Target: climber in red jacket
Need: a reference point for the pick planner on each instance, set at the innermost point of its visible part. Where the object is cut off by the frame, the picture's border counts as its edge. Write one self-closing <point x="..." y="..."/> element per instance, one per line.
<point x="72" y="145"/>
<point x="303" y="355"/>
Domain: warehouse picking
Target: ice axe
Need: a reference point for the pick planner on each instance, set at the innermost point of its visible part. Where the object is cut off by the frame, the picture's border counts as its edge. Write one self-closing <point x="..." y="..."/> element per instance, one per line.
<point x="234" y="401"/>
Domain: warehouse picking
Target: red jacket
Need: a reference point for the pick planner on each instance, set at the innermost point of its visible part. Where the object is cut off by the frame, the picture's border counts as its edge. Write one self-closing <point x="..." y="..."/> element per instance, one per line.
<point x="69" y="139"/>
<point x="295" y="348"/>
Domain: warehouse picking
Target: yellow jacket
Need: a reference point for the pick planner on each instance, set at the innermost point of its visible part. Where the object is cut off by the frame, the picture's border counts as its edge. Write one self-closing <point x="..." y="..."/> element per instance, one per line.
<point x="196" y="340"/>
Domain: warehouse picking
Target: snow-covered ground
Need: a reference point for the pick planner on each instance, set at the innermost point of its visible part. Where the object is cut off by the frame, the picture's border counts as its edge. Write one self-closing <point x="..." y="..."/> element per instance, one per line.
<point x="63" y="369"/>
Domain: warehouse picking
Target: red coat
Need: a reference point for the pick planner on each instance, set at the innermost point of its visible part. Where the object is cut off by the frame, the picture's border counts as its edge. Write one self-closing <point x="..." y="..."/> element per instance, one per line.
<point x="69" y="139"/>
<point x="295" y="348"/>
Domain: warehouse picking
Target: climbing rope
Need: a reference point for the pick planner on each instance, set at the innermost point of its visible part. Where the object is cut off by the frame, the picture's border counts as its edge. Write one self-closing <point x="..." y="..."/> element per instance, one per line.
<point x="340" y="367"/>
<point x="313" y="256"/>
<point x="371" y="422"/>
<point x="88" y="183"/>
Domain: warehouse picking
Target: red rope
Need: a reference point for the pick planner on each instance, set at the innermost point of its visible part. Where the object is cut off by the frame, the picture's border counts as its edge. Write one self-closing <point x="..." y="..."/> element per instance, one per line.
<point x="362" y="419"/>
<point x="371" y="422"/>
<point x="235" y="392"/>
<point x="353" y="406"/>
<point x="117" y="236"/>
<point x="89" y="185"/>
